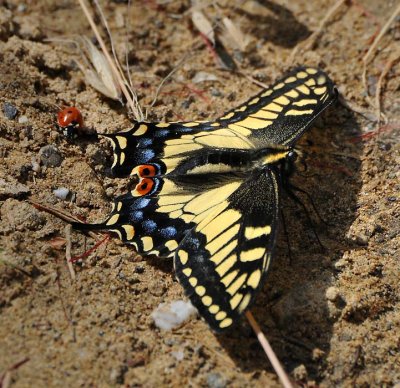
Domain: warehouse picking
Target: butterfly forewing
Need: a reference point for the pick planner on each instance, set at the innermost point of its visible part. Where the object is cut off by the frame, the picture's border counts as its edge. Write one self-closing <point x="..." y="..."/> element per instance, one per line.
<point x="276" y="116"/>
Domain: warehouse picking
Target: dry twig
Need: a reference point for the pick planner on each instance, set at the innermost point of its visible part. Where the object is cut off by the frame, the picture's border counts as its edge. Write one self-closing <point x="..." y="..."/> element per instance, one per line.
<point x="5" y="378"/>
<point x="389" y="64"/>
<point x="370" y="53"/>
<point x="269" y="352"/>
<point x="310" y="41"/>
<point x="68" y="251"/>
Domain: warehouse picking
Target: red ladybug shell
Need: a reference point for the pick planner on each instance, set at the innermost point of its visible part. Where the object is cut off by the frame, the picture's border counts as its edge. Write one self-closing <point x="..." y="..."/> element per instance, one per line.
<point x="70" y="117"/>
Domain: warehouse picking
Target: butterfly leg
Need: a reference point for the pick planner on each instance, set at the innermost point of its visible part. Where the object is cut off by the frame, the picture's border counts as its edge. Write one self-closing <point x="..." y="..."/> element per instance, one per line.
<point x="313" y="205"/>
<point x="286" y="236"/>
<point x="290" y="191"/>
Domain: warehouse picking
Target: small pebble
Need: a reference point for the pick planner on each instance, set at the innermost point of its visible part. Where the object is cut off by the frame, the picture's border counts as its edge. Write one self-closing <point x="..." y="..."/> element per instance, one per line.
<point x="216" y="380"/>
<point x="10" y="111"/>
<point x="61" y="193"/>
<point x="23" y="119"/>
<point x="168" y="316"/>
<point x="361" y="239"/>
<point x="215" y="92"/>
<point x="300" y="373"/>
<point x="50" y="156"/>
<point x="186" y="103"/>
<point x="332" y="293"/>
<point x="35" y="166"/>
<point x="179" y="355"/>
<point x="203" y="76"/>
<point x="110" y="192"/>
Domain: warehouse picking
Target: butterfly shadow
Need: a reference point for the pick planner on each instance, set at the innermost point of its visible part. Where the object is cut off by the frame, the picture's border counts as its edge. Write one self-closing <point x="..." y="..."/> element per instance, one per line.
<point x="275" y="23"/>
<point x="299" y="303"/>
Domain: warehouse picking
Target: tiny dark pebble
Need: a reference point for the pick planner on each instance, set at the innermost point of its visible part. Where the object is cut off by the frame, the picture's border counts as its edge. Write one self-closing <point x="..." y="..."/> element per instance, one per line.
<point x="50" y="156"/>
<point x="385" y="147"/>
<point x="216" y="380"/>
<point x="392" y="199"/>
<point x="139" y="269"/>
<point x="186" y="103"/>
<point x="361" y="239"/>
<point x="215" y="92"/>
<point x="232" y="96"/>
<point x="10" y="111"/>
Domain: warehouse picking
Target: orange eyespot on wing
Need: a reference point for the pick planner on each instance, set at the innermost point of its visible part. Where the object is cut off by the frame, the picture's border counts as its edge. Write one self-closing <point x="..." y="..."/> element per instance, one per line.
<point x="144" y="187"/>
<point x="145" y="171"/>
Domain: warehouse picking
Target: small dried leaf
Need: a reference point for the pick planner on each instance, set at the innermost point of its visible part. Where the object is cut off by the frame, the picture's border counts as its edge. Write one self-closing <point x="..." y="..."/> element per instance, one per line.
<point x="203" y="76"/>
<point x="57" y="242"/>
<point x="255" y="8"/>
<point x="234" y="35"/>
<point x="203" y="25"/>
<point x="98" y="72"/>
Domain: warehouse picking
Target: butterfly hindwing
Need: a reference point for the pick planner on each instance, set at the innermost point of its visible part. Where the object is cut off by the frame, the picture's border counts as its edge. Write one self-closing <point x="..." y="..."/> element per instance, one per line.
<point x="155" y="216"/>
<point x="222" y="261"/>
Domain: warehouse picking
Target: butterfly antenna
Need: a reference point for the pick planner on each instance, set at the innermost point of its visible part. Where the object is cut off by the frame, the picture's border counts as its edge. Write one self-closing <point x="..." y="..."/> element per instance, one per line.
<point x="313" y="205"/>
<point x="283" y="377"/>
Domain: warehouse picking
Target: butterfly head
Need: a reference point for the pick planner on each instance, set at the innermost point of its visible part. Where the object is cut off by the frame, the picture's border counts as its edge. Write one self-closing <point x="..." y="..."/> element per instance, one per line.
<point x="290" y="161"/>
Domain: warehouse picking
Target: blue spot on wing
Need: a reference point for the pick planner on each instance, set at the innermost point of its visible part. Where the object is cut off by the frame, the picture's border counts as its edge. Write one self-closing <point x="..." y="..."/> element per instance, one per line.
<point x="136" y="216"/>
<point x="146" y="155"/>
<point x="140" y="203"/>
<point x="144" y="142"/>
<point x="161" y="133"/>
<point x="168" y="232"/>
<point x="149" y="226"/>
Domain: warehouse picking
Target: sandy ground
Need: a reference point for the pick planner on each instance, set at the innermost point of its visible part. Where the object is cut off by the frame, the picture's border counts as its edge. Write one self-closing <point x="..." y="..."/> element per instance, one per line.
<point x="332" y="316"/>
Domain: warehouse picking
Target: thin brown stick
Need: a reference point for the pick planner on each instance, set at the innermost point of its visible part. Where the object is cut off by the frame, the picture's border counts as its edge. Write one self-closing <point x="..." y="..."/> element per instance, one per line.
<point x="253" y="80"/>
<point x="5" y="378"/>
<point x="114" y="69"/>
<point x="309" y="43"/>
<point x="68" y="251"/>
<point x="389" y="64"/>
<point x="371" y="51"/>
<point x="357" y="109"/>
<point x="168" y="76"/>
<point x="61" y="215"/>
<point x="283" y="377"/>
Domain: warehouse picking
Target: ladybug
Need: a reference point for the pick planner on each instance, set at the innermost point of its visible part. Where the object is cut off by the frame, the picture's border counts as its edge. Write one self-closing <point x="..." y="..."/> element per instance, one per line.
<point x="70" y="120"/>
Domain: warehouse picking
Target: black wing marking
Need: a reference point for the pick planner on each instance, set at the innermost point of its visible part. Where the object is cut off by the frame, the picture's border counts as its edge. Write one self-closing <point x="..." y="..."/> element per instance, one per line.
<point x="221" y="263"/>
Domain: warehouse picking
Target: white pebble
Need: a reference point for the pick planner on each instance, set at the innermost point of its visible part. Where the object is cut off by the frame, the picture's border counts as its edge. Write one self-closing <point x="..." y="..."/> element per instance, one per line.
<point x="202" y="76"/>
<point x="168" y="316"/>
<point x="61" y="192"/>
<point x="332" y="293"/>
<point x="179" y="355"/>
<point x="35" y="166"/>
<point x="23" y="119"/>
